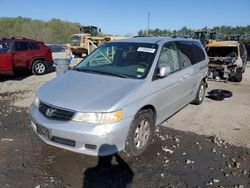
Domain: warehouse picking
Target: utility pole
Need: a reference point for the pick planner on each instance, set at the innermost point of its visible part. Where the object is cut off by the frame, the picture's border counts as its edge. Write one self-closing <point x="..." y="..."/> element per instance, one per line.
<point x="148" y="24"/>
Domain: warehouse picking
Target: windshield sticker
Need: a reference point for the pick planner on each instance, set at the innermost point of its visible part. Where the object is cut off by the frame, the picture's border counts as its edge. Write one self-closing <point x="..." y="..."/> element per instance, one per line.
<point x="143" y="49"/>
<point x="140" y="70"/>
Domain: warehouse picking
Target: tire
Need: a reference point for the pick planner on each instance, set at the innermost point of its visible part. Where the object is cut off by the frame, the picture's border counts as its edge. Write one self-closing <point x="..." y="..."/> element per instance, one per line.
<point x="220" y="93"/>
<point x="200" y="94"/>
<point x="238" y="75"/>
<point x="39" y="67"/>
<point x="215" y="98"/>
<point x="141" y="133"/>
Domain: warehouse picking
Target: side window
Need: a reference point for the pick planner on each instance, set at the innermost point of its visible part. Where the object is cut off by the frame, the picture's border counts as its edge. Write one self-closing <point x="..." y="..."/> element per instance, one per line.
<point x="199" y="51"/>
<point x="169" y="56"/>
<point x="187" y="53"/>
<point x="21" y="46"/>
<point x="4" y="47"/>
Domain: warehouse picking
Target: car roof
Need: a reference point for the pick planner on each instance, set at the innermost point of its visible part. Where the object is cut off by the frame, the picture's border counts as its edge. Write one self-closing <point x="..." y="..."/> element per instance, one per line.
<point x="152" y="39"/>
<point x="223" y="44"/>
<point x="20" y="40"/>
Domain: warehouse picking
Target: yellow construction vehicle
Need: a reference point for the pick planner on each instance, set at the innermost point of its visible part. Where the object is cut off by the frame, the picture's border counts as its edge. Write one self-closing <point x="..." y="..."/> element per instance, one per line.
<point x="206" y="36"/>
<point x="89" y="38"/>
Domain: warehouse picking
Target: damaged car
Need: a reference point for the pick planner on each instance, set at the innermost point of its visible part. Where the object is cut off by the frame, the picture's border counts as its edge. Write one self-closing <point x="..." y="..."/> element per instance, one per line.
<point x="227" y="60"/>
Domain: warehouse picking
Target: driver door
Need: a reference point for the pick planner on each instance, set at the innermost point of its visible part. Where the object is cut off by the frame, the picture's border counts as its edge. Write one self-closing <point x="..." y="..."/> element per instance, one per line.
<point x="169" y="91"/>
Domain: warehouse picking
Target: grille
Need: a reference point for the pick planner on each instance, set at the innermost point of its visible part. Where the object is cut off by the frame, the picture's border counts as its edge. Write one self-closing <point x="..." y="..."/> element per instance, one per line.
<point x="55" y="113"/>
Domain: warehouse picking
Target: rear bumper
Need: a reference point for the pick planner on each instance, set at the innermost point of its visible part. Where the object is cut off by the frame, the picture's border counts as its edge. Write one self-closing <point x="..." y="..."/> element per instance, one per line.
<point x="85" y="138"/>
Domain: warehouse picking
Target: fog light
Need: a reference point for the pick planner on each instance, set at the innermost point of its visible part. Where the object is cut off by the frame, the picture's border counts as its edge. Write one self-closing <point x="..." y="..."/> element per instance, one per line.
<point x="90" y="146"/>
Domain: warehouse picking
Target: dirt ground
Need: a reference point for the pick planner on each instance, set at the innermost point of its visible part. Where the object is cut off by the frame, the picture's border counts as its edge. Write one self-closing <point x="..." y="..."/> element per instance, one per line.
<point x="200" y="146"/>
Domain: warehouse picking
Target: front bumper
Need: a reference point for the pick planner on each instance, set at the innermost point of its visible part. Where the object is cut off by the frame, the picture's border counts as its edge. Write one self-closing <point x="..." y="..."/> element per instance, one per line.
<point x="85" y="138"/>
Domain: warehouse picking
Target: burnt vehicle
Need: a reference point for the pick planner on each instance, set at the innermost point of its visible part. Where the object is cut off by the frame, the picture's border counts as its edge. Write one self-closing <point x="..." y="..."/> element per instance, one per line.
<point x="227" y="60"/>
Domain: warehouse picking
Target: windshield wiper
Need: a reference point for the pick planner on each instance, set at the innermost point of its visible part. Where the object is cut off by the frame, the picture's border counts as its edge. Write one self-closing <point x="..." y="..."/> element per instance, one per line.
<point x="101" y="72"/>
<point x="114" y="74"/>
<point x="87" y="70"/>
<point x="77" y="69"/>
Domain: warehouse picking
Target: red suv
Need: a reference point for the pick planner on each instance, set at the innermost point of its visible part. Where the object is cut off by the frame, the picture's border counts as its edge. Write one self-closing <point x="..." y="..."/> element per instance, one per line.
<point x="24" y="54"/>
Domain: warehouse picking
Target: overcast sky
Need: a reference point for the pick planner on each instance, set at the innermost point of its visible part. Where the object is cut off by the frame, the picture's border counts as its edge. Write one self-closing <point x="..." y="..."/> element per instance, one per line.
<point x="123" y="17"/>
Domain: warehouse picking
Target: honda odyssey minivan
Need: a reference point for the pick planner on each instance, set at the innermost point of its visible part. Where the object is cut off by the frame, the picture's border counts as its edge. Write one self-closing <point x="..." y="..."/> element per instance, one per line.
<point x="118" y="94"/>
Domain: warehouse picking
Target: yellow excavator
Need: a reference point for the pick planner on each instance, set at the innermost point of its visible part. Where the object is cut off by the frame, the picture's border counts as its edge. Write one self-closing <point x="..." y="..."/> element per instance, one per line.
<point x="89" y="38"/>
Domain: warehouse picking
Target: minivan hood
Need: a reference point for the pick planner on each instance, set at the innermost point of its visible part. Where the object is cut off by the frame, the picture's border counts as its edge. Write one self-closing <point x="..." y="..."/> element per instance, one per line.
<point x="86" y="92"/>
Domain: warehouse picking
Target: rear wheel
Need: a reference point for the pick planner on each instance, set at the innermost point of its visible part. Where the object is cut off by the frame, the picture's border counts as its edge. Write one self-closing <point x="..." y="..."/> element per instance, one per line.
<point x="200" y="94"/>
<point x="141" y="132"/>
<point x="39" y="67"/>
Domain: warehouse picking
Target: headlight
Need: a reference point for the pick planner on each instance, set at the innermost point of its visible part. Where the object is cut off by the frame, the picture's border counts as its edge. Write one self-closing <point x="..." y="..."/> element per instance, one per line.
<point x="98" y="118"/>
<point x="36" y="102"/>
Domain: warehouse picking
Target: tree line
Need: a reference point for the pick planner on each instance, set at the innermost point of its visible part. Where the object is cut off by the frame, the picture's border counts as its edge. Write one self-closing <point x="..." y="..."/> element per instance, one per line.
<point x="52" y="31"/>
<point x="58" y="31"/>
<point x="244" y="31"/>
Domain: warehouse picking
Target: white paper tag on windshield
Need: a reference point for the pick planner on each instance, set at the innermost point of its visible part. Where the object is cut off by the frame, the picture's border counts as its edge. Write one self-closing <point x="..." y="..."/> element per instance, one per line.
<point x="143" y="49"/>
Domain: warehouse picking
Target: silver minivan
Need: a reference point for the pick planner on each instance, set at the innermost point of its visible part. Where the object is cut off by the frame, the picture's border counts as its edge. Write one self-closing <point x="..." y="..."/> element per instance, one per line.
<point x="115" y="97"/>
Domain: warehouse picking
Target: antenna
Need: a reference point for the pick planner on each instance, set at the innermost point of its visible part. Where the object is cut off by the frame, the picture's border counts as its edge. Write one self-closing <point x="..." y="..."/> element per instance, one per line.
<point x="148" y="24"/>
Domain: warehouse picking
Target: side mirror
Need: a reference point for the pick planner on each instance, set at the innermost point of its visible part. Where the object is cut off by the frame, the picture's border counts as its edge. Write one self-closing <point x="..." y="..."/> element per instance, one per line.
<point x="164" y="71"/>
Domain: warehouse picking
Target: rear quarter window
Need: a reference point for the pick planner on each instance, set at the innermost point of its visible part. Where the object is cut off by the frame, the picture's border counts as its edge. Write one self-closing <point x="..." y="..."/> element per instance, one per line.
<point x="187" y="53"/>
<point x="199" y="51"/>
<point x="34" y="46"/>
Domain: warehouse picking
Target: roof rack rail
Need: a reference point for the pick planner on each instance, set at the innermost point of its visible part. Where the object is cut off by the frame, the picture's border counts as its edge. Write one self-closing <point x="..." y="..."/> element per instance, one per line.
<point x="137" y="36"/>
<point x="182" y="37"/>
<point x="13" y="38"/>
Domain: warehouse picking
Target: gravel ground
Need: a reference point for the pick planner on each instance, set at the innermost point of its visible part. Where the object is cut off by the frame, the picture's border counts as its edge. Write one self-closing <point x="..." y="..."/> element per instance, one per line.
<point x="200" y="146"/>
<point x="228" y="119"/>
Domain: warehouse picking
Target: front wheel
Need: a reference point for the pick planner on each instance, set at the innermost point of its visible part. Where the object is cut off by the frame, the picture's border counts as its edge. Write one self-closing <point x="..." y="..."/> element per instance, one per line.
<point x="141" y="132"/>
<point x="200" y="94"/>
<point x="238" y="75"/>
<point x="39" y="67"/>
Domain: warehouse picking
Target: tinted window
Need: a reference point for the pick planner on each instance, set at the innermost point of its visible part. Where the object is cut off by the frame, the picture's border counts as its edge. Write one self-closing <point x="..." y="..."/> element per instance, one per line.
<point x="199" y="51"/>
<point x="187" y="53"/>
<point x="34" y="46"/>
<point x="21" y="46"/>
<point x="169" y="56"/>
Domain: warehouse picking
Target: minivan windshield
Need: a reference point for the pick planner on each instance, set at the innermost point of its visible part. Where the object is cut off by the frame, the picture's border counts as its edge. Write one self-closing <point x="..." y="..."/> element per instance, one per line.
<point x="121" y="59"/>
